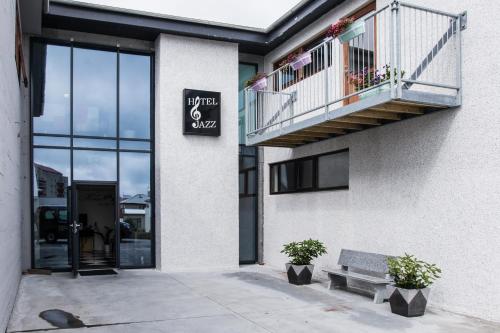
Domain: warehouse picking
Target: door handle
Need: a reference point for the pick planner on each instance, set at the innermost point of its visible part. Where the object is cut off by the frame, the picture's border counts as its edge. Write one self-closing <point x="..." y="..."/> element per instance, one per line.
<point x="75" y="227"/>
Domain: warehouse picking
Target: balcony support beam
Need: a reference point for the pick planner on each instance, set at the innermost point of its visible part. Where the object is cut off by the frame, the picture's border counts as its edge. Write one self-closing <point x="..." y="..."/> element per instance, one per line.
<point x="358" y="120"/>
<point x="372" y="114"/>
<point x="398" y="108"/>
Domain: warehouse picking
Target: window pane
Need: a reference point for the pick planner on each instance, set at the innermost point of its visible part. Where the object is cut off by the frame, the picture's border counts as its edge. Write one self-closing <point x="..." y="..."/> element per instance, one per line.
<point x="305" y="170"/>
<point x="51" y="141"/>
<point x="287" y="177"/>
<point x="94" y="143"/>
<point x="251" y="182"/>
<point x="246" y="71"/>
<point x="94" y="165"/>
<point x="135" y="95"/>
<point x="51" y="89"/>
<point x="94" y="85"/>
<point x="138" y="145"/>
<point x="135" y="208"/>
<point x="242" y="182"/>
<point x="333" y="170"/>
<point x="51" y="172"/>
<point x="274" y="178"/>
<point x="247" y="162"/>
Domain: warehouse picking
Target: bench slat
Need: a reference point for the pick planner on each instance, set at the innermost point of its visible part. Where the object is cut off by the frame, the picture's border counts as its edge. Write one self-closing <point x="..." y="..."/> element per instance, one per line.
<point x="357" y="276"/>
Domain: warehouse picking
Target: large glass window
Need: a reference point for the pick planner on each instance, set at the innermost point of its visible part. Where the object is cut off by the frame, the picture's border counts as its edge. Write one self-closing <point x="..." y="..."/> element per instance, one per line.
<point x="315" y="173"/>
<point x="107" y="94"/>
<point x="135" y="209"/>
<point x="134" y="96"/>
<point x="94" y="89"/>
<point x="51" y="73"/>
<point x="51" y="179"/>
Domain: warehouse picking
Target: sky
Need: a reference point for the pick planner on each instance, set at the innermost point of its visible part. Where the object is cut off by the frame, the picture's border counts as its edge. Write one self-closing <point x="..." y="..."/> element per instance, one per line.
<point x="251" y="13"/>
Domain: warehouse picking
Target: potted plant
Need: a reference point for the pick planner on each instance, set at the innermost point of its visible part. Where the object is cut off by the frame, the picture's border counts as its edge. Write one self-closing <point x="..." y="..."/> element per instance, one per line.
<point x="297" y="60"/>
<point x="346" y="29"/>
<point x="410" y="291"/>
<point x="299" y="270"/>
<point x="257" y="82"/>
<point x="369" y="77"/>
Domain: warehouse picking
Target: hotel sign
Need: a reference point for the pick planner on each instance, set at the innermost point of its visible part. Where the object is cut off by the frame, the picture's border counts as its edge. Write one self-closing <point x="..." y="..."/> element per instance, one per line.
<point x="201" y="112"/>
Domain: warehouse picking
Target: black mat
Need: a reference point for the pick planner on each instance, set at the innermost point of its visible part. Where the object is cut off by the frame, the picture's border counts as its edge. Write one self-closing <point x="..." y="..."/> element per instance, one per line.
<point x="98" y="272"/>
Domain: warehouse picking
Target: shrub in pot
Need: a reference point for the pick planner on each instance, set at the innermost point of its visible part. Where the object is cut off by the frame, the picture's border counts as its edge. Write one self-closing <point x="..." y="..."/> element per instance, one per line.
<point x="410" y="291"/>
<point x="299" y="270"/>
<point x="257" y="82"/>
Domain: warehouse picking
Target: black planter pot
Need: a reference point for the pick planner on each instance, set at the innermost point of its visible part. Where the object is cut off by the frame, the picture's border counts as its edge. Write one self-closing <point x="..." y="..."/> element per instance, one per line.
<point x="299" y="274"/>
<point x="408" y="302"/>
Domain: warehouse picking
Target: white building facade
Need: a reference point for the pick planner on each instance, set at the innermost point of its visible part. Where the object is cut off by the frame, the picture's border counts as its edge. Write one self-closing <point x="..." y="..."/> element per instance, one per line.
<point x="106" y="108"/>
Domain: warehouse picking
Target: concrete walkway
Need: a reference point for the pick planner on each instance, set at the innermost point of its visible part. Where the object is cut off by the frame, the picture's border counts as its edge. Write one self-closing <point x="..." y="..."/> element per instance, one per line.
<point x="253" y="299"/>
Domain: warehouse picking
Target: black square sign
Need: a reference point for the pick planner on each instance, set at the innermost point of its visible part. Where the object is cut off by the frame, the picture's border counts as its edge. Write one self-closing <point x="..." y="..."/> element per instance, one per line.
<point x="201" y="112"/>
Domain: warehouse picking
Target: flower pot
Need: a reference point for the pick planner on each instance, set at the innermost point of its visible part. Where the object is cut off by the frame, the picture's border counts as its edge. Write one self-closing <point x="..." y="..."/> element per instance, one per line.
<point x="299" y="274"/>
<point x="354" y="30"/>
<point x="301" y="61"/>
<point x="408" y="302"/>
<point x="259" y="84"/>
<point x="374" y="91"/>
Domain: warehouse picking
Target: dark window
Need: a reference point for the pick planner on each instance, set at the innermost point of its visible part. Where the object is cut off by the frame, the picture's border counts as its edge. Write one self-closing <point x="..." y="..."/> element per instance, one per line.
<point x="315" y="173"/>
<point x="333" y="170"/>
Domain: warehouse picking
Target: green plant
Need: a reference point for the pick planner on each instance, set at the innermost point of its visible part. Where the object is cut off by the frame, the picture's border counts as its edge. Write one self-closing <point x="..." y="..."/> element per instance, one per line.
<point x="411" y="273"/>
<point x="254" y="79"/>
<point x="302" y="253"/>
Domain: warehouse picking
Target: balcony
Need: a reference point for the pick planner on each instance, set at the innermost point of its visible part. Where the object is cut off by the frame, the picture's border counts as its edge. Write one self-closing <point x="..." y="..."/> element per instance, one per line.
<point x="353" y="86"/>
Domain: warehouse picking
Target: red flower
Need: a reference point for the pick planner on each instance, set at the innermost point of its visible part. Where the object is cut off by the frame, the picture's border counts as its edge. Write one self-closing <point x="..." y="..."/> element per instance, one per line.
<point x="337" y="28"/>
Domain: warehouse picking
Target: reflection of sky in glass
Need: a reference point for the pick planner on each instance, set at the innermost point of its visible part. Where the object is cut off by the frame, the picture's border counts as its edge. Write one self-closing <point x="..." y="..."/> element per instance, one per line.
<point x="94" y="89"/>
<point x="134" y="173"/>
<point x="57" y="159"/>
<point x="94" y="165"/>
<point x="245" y="73"/>
<point x="134" y="96"/>
<point x="56" y="107"/>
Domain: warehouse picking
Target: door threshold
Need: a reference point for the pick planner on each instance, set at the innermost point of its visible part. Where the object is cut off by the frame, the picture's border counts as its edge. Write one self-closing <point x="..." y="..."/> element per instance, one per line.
<point x="101" y="271"/>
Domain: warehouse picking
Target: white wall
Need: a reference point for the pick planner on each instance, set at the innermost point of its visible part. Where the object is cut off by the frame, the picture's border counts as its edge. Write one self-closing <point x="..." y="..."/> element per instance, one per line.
<point x="428" y="186"/>
<point x="196" y="176"/>
<point x="10" y="164"/>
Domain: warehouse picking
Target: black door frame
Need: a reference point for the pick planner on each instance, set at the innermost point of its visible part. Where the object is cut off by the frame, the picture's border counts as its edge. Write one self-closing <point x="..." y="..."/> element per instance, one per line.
<point x="75" y="236"/>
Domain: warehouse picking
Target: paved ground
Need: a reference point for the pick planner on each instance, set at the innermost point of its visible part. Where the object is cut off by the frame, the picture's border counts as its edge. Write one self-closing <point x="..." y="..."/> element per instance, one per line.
<point x="253" y="299"/>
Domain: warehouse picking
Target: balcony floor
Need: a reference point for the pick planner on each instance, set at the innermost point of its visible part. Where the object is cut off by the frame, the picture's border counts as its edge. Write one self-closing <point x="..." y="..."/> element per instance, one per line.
<point x="367" y="113"/>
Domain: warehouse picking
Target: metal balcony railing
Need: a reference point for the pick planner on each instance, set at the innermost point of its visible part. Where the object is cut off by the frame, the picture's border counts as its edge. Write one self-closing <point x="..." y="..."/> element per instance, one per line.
<point x="406" y="50"/>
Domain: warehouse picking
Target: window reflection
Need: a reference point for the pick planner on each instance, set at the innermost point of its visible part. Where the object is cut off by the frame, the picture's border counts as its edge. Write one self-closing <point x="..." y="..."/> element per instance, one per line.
<point x="51" y="172"/>
<point x="94" y="165"/>
<point x="94" y="85"/>
<point x="134" y="96"/>
<point x="135" y="209"/>
<point x="51" y="88"/>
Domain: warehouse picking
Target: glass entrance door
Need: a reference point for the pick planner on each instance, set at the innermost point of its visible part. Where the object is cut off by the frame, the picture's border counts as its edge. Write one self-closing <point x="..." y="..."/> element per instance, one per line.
<point x="95" y="228"/>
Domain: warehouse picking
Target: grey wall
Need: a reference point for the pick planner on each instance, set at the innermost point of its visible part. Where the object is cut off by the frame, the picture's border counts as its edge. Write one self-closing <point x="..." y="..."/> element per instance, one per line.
<point x="428" y="186"/>
<point x="196" y="176"/>
<point x="11" y="177"/>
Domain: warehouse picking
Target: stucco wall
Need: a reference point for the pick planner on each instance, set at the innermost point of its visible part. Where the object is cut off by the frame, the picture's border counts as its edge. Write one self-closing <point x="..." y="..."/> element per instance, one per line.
<point x="428" y="186"/>
<point x="196" y="176"/>
<point x="10" y="164"/>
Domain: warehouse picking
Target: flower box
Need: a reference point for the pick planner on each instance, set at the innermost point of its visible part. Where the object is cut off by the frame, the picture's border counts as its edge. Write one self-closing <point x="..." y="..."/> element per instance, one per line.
<point x="260" y="84"/>
<point x="375" y="91"/>
<point x="301" y="61"/>
<point x="354" y="30"/>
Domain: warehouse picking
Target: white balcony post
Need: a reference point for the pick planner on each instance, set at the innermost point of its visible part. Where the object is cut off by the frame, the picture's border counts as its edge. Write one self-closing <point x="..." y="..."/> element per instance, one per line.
<point x="394" y="47"/>
<point x="325" y="69"/>
<point x="280" y="85"/>
<point x="247" y="118"/>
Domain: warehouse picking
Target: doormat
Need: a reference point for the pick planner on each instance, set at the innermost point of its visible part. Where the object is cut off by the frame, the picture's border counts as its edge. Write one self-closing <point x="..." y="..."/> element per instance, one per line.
<point x="98" y="272"/>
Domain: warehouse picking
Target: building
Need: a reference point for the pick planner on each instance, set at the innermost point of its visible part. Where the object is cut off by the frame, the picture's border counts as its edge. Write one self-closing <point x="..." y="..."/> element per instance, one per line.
<point x="137" y="125"/>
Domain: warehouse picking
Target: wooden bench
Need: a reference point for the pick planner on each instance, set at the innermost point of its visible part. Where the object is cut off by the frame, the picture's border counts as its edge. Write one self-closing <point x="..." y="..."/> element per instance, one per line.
<point x="369" y="268"/>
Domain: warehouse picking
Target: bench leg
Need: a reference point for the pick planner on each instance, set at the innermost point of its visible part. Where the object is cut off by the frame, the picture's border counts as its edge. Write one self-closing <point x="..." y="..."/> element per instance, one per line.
<point x="380" y="294"/>
<point x="337" y="282"/>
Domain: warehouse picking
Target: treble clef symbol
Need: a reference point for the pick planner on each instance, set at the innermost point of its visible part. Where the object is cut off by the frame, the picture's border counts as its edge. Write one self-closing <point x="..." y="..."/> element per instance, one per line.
<point x="195" y="113"/>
